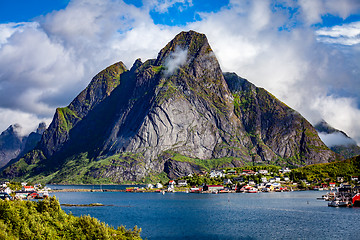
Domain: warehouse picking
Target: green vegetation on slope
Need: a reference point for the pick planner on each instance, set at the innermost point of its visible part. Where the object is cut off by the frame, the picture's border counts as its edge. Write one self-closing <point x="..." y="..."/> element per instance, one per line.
<point x="80" y="169"/>
<point x="46" y="220"/>
<point x="66" y="116"/>
<point x="328" y="171"/>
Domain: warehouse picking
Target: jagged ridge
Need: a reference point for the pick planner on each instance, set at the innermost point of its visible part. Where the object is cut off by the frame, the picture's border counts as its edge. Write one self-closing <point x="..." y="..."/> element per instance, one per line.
<point x="178" y="104"/>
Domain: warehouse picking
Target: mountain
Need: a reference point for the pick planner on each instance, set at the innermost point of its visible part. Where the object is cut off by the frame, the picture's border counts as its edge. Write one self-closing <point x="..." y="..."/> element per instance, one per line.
<point x="10" y="144"/>
<point x="13" y="144"/>
<point x="338" y="141"/>
<point x="168" y="117"/>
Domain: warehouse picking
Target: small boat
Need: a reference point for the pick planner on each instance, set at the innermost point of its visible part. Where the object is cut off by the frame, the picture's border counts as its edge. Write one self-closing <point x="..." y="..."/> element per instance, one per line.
<point x="252" y="190"/>
<point x="338" y="203"/>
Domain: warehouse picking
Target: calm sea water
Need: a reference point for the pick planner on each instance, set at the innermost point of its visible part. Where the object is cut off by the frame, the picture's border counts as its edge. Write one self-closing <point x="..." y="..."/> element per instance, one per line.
<point x="288" y="215"/>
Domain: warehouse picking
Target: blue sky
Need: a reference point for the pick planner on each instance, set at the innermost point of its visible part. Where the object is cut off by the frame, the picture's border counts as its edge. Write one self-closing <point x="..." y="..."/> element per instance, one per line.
<point x="305" y="52"/>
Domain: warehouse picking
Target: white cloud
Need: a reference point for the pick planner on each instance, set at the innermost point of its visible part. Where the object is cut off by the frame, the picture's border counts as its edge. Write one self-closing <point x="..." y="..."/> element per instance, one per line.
<point x="175" y="60"/>
<point x="341" y="112"/>
<point x="32" y="66"/>
<point x="28" y="122"/>
<point x="335" y="139"/>
<point x="162" y="6"/>
<point x="312" y="11"/>
<point x="7" y="30"/>
<point x="347" y="34"/>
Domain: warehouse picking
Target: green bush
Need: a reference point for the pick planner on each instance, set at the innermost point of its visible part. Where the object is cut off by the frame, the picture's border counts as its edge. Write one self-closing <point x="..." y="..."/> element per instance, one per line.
<point x="46" y="220"/>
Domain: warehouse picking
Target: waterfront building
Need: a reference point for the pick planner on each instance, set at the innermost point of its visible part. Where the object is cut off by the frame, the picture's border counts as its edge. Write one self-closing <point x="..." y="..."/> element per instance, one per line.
<point x="182" y="183"/>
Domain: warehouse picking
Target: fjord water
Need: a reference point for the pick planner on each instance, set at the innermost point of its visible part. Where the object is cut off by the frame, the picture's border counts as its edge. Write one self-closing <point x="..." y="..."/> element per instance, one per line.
<point x="288" y="215"/>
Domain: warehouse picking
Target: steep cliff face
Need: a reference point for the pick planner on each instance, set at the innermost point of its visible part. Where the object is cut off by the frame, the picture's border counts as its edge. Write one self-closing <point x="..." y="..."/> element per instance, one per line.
<point x="181" y="103"/>
<point x="11" y="144"/>
<point x="278" y="133"/>
<point x="68" y="117"/>
<point x="176" y="114"/>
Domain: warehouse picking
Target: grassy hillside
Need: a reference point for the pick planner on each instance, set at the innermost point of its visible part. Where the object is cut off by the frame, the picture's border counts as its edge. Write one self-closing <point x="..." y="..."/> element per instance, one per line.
<point x="328" y="171"/>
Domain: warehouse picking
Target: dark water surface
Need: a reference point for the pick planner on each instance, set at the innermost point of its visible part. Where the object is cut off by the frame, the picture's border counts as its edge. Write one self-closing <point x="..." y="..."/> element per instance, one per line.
<point x="288" y="215"/>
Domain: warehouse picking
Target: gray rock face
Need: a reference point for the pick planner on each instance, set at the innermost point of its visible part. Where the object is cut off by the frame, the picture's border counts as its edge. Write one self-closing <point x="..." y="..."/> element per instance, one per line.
<point x="13" y="145"/>
<point x="276" y="130"/>
<point x="175" y="169"/>
<point x="179" y="103"/>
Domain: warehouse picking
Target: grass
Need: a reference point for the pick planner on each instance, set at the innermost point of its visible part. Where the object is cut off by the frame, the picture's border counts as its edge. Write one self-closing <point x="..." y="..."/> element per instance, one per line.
<point x="206" y="164"/>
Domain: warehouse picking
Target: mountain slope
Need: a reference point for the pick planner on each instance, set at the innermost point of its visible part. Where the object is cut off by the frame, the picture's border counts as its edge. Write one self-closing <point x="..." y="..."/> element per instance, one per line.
<point x="13" y="145"/>
<point x="176" y="114"/>
<point x="276" y="130"/>
<point x="337" y="140"/>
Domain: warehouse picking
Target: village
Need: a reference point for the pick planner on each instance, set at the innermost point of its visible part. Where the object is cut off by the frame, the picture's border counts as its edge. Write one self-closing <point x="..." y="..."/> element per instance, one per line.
<point x="11" y="191"/>
<point x="246" y="181"/>
<point x="216" y="181"/>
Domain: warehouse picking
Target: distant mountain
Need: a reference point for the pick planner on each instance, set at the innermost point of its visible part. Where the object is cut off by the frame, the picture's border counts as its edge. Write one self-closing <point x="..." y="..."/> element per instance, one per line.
<point x="12" y="144"/>
<point x="337" y="140"/>
<point x="170" y="116"/>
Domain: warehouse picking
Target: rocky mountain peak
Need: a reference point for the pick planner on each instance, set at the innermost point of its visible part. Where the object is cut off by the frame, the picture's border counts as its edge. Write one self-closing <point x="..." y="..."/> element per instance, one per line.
<point x="186" y="44"/>
<point x="41" y="128"/>
<point x="174" y="114"/>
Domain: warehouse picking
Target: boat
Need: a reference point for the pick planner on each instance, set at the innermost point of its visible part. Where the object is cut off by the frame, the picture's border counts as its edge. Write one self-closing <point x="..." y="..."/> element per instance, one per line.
<point x="356" y="200"/>
<point x="252" y="190"/>
<point x="339" y="203"/>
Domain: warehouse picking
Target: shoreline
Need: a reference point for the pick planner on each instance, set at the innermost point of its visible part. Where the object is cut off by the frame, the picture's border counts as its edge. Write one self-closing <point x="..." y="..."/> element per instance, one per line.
<point x="152" y="191"/>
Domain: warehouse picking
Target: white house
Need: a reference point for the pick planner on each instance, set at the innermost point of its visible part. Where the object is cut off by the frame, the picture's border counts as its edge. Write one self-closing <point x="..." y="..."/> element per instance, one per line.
<point x="272" y="180"/>
<point x="263" y="171"/>
<point x="277" y="179"/>
<point x="340" y="179"/>
<point x="227" y="181"/>
<point x="159" y="185"/>
<point x="264" y="179"/>
<point x="172" y="184"/>
<point x="215" y="173"/>
<point x="7" y="190"/>
<point x="286" y="179"/>
<point x="251" y="182"/>
<point x="182" y="183"/>
<point x="149" y="186"/>
<point x="285" y="170"/>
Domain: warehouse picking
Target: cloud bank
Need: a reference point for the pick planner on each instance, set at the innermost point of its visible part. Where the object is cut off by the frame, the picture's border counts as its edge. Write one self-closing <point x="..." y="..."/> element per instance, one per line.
<point x="175" y="60"/>
<point x="44" y="64"/>
<point x="335" y="139"/>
